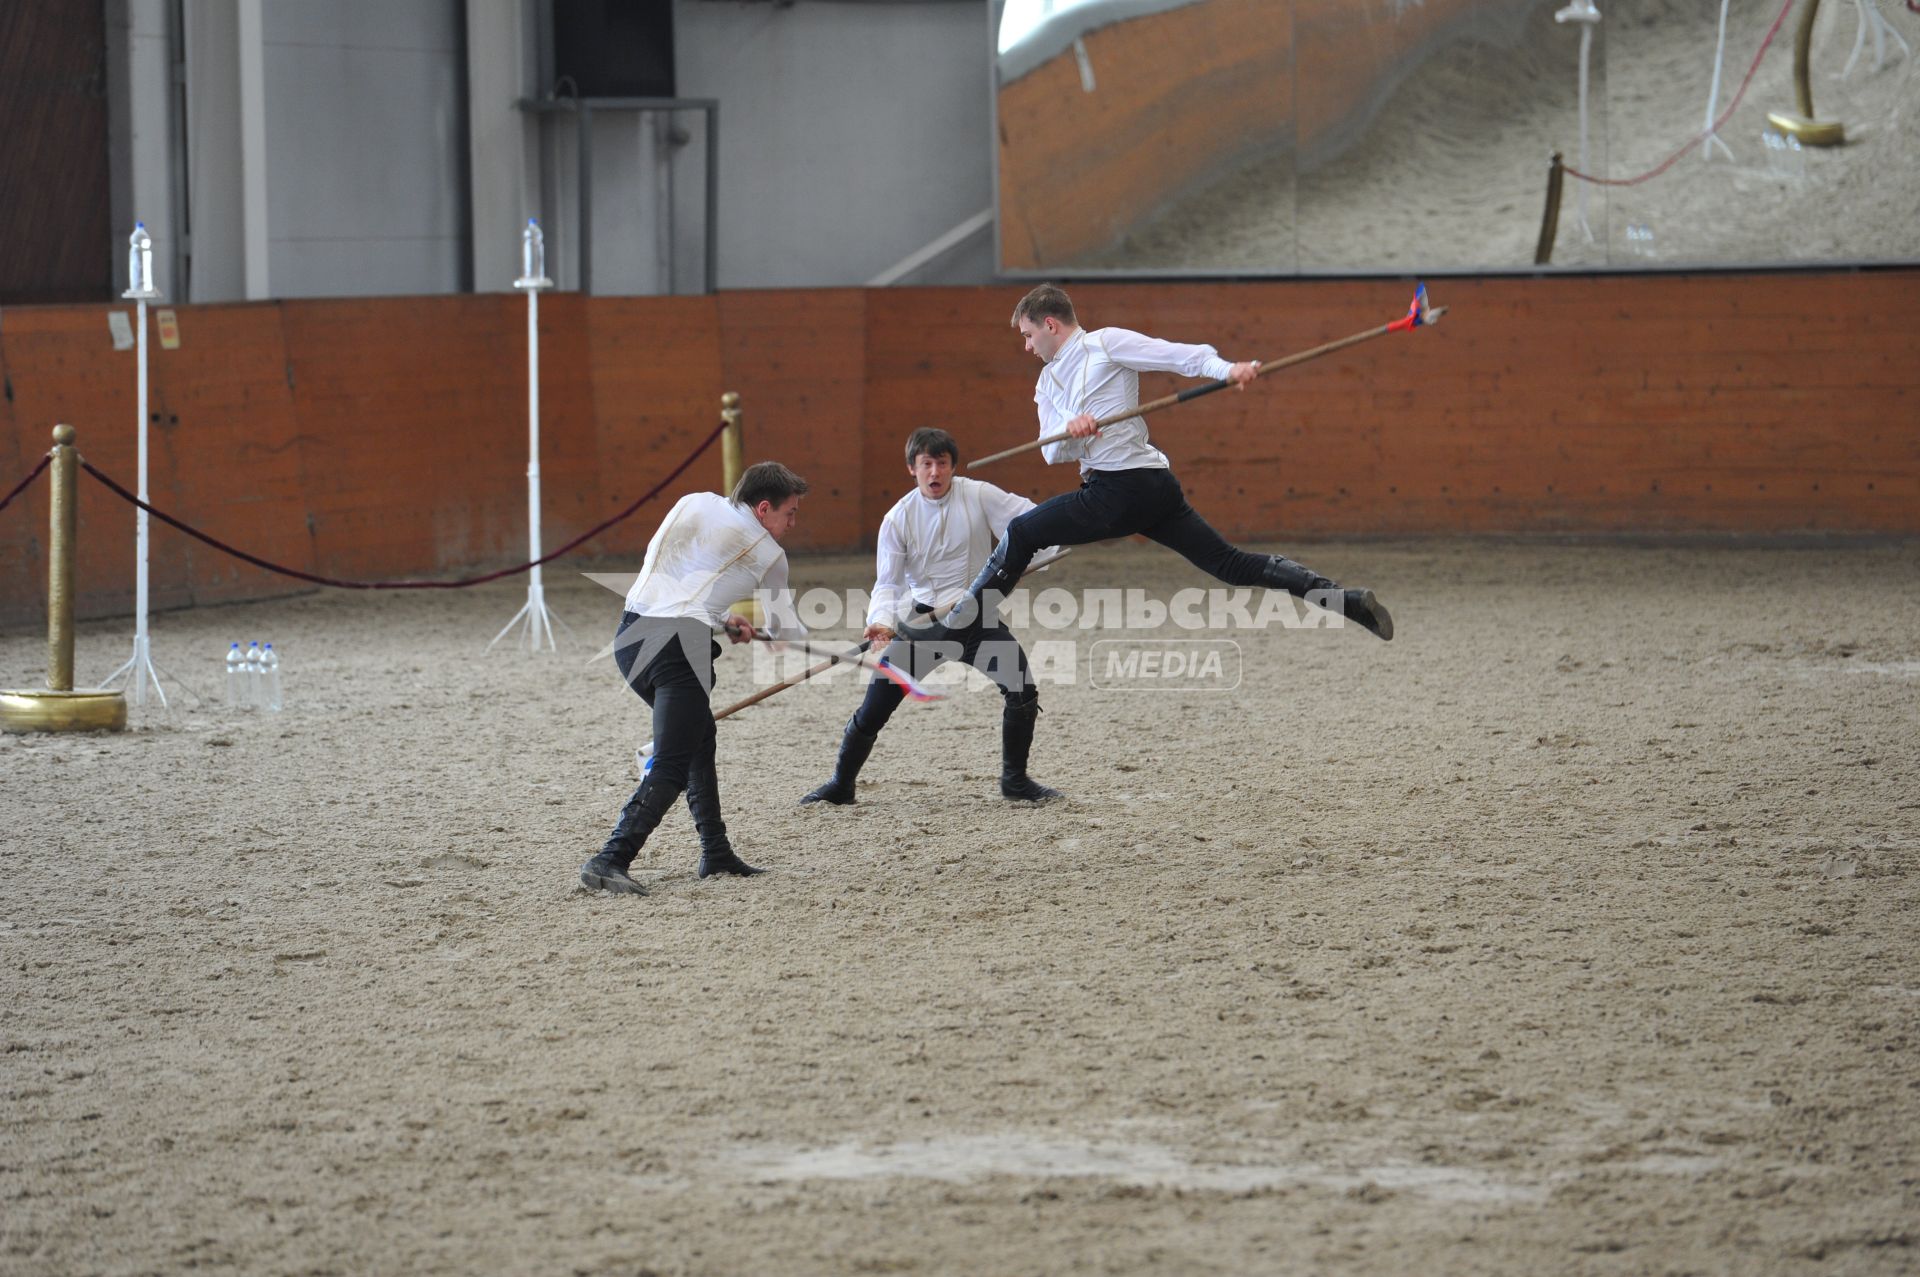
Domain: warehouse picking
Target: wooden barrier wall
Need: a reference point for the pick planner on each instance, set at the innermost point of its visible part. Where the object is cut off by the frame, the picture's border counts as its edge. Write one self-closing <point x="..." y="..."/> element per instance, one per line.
<point x="387" y="438"/>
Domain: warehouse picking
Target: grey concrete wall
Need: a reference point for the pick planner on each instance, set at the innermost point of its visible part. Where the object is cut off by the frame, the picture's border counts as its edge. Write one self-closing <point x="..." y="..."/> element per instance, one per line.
<point x="214" y="177"/>
<point x="502" y="68"/>
<point x="365" y="143"/>
<point x="369" y="147"/>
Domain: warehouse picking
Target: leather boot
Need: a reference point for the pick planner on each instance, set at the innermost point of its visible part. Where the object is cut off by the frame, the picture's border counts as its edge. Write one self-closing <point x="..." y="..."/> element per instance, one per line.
<point x="855" y="745"/>
<point x="703" y="800"/>
<point x="722" y="860"/>
<point x="1372" y="614"/>
<point x="1295" y="578"/>
<point x="1356" y="605"/>
<point x="641" y="816"/>
<point x="993" y="579"/>
<point x="703" y="803"/>
<point x="1016" y="742"/>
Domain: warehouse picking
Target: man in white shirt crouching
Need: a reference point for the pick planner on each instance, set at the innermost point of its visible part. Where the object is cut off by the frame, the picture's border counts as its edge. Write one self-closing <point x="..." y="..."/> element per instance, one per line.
<point x="932" y="543"/>
<point x="709" y="551"/>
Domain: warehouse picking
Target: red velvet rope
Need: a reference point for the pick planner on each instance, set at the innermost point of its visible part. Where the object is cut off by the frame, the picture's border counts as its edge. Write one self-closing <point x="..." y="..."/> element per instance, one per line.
<point x="21" y="486"/>
<point x="338" y="584"/>
<point x="1704" y="134"/>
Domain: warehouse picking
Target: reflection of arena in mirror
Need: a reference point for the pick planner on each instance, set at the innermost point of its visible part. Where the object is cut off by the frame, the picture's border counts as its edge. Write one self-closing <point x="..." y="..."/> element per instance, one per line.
<point x="1412" y="135"/>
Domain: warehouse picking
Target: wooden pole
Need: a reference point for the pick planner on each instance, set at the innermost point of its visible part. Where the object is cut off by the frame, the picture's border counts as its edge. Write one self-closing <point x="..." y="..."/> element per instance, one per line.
<point x="822" y="667"/>
<point x="1194" y="392"/>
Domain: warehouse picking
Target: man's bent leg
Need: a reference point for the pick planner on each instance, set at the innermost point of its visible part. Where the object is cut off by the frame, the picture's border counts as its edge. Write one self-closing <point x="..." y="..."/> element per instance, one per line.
<point x="638" y="819"/>
<point x="693" y="714"/>
<point x="856" y="742"/>
<point x="672" y="690"/>
<point x="1193" y="538"/>
<point x="919" y="657"/>
<point x="1096" y="511"/>
<point x="703" y="796"/>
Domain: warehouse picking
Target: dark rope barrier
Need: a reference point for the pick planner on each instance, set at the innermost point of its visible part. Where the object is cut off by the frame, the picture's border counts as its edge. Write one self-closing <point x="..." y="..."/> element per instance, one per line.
<point x="338" y="584"/>
<point x="21" y="486"/>
<point x="1704" y="134"/>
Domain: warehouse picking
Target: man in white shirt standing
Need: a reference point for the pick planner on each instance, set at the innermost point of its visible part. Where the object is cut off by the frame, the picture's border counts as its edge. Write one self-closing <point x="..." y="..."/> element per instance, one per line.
<point x="932" y="543"/>
<point x="709" y="551"/>
<point x="1127" y="485"/>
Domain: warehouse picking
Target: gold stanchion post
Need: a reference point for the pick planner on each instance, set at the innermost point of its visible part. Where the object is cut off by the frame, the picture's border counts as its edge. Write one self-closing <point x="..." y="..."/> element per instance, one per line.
<point x="1810" y="131"/>
<point x="730" y="442"/>
<point x="59" y="708"/>
<point x="730" y="469"/>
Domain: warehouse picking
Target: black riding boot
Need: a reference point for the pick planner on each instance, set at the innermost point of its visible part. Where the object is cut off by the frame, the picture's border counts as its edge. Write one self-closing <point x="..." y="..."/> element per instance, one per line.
<point x="855" y="745"/>
<point x="724" y="861"/>
<point x="1016" y="742"/>
<point x="641" y="816"/>
<point x="703" y="801"/>
<point x="994" y="579"/>
<point x="1356" y="605"/>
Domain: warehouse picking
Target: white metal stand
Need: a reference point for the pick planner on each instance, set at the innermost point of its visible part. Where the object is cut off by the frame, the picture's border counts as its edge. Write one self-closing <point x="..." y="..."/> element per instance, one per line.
<point x="139" y="670"/>
<point x="1871" y="19"/>
<point x="1713" y="94"/>
<point x="535" y="620"/>
<point x="1583" y="12"/>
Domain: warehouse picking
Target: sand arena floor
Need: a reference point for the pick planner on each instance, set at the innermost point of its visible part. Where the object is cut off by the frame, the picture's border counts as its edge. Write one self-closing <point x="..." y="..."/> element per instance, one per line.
<point x="1573" y="932"/>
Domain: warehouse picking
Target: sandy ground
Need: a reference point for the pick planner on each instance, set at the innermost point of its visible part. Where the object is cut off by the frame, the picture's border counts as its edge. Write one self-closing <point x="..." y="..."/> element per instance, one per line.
<point x="1451" y="173"/>
<point x="1572" y="932"/>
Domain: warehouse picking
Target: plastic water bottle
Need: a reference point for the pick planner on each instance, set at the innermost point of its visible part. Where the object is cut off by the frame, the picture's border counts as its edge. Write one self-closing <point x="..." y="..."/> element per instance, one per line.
<point x="236" y="677"/>
<point x="533" y="251"/>
<point x="1785" y="156"/>
<point x="270" y="678"/>
<point x="253" y="675"/>
<point x="140" y="259"/>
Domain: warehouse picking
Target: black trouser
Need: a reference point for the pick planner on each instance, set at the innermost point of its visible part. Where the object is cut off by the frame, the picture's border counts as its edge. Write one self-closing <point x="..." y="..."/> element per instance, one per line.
<point x="668" y="662"/>
<point x="991" y="649"/>
<point x="1118" y="503"/>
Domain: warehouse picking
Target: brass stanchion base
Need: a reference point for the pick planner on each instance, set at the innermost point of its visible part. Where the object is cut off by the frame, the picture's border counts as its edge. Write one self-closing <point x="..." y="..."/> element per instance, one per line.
<point x="44" y="711"/>
<point x="1810" y="132"/>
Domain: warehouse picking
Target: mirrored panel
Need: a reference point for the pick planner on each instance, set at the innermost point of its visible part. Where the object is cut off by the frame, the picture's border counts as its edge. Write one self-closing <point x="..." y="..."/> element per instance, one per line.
<point x="1145" y="135"/>
<point x="1394" y="136"/>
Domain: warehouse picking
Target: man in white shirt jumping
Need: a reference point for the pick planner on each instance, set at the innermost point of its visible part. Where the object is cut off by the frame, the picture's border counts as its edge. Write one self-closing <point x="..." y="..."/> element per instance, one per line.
<point x="932" y="542"/>
<point x="709" y="551"/>
<point x="1127" y="485"/>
